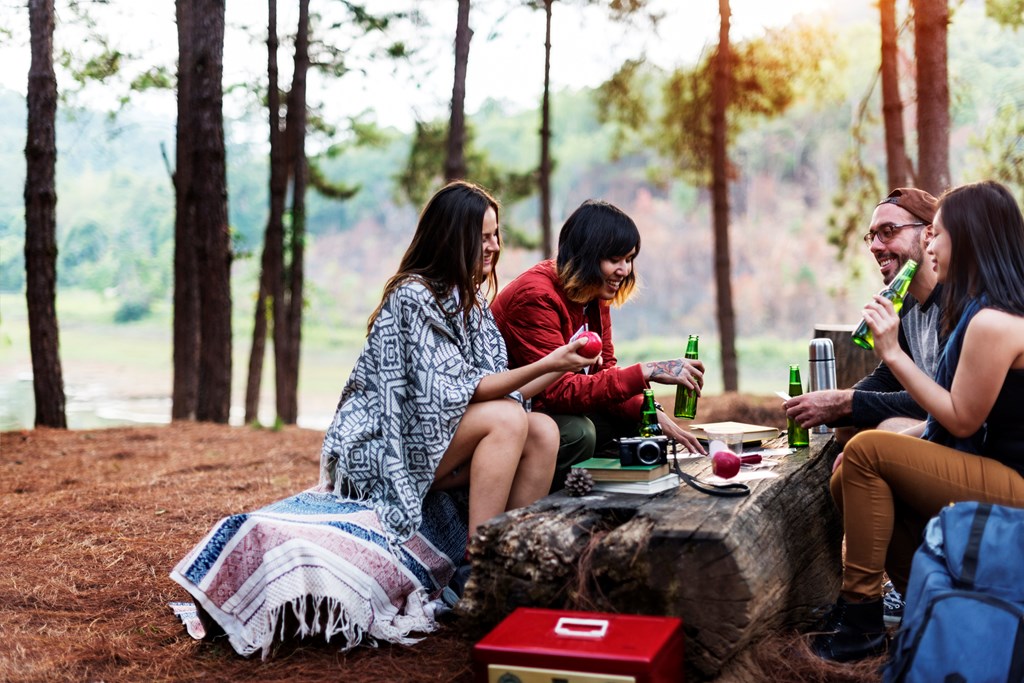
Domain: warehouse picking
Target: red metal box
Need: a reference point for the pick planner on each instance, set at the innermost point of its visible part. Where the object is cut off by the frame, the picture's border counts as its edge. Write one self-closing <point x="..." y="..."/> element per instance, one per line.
<point x="559" y="646"/>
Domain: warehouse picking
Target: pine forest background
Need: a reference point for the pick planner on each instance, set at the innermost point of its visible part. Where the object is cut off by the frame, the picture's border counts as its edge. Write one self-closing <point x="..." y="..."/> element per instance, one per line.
<point x="115" y="225"/>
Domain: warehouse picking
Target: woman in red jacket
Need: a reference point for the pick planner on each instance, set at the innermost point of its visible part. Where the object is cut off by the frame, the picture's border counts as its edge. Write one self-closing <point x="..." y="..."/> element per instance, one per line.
<point x="546" y="306"/>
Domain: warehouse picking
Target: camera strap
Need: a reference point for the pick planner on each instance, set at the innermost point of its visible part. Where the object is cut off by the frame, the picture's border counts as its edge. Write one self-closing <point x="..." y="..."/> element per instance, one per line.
<point x="730" y="490"/>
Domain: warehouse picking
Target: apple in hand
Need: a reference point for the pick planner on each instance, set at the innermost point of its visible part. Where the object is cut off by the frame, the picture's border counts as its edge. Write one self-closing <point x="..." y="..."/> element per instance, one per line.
<point x="725" y="464"/>
<point x="593" y="346"/>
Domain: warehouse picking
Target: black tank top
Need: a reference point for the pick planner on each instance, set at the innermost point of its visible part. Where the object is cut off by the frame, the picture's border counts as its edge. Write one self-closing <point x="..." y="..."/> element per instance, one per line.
<point x="1005" y="439"/>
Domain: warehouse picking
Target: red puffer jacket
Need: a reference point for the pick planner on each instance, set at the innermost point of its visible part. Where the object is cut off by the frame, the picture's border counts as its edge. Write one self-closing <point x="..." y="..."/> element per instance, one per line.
<point x="535" y="318"/>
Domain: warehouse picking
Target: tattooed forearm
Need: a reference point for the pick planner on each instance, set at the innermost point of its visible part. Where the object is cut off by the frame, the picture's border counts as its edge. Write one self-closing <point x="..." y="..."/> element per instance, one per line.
<point x="673" y="368"/>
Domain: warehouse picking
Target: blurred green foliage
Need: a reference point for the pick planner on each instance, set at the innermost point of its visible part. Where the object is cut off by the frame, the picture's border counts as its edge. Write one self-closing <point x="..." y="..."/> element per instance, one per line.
<point x="115" y="200"/>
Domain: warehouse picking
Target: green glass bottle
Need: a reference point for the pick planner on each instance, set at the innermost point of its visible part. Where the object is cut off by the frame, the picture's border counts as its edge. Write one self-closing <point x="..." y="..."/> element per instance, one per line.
<point x="686" y="399"/>
<point x="649" y="415"/>
<point x="895" y="292"/>
<point x="798" y="436"/>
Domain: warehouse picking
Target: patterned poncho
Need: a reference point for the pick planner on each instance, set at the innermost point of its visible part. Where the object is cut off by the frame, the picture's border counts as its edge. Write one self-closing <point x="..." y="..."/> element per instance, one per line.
<point x="403" y="402"/>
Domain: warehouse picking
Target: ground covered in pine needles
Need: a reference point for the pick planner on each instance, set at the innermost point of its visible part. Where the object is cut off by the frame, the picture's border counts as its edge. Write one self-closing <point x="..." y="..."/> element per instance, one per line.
<point x="93" y="521"/>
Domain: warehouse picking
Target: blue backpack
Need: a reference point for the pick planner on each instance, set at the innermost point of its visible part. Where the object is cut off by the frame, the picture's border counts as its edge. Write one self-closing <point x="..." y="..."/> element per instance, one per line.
<point x="964" y="617"/>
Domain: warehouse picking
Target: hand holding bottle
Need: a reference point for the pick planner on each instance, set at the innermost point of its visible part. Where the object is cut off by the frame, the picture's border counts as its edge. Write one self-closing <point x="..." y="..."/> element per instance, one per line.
<point x="819" y="407"/>
<point x="884" y="323"/>
<point x="686" y="398"/>
<point x="894" y="292"/>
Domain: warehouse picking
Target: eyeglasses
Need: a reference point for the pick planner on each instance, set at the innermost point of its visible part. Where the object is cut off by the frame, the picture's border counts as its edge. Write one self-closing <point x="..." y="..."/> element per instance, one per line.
<point x="886" y="232"/>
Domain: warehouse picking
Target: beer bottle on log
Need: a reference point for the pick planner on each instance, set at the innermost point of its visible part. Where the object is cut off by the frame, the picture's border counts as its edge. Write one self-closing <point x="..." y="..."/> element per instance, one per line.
<point x="894" y="292"/>
<point x="686" y="399"/>
<point x="797" y="435"/>
<point x="649" y="415"/>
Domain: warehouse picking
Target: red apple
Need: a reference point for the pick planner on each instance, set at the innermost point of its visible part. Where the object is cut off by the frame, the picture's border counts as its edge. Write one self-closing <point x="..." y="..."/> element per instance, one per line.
<point x="593" y="346"/>
<point x="725" y="464"/>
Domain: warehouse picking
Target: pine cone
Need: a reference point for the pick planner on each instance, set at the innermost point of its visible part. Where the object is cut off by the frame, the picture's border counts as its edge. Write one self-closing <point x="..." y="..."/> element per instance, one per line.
<point x="578" y="482"/>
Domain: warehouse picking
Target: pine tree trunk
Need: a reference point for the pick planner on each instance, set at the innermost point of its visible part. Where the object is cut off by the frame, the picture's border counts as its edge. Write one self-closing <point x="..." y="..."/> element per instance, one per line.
<point x="931" y="21"/>
<point x="290" y="332"/>
<point x="455" y="163"/>
<point x="186" y="284"/>
<point x="209" y="199"/>
<point x="720" y="199"/>
<point x="892" y="106"/>
<point x="41" y="221"/>
<point x="271" y="283"/>
<point x="545" y="141"/>
<point x="254" y="377"/>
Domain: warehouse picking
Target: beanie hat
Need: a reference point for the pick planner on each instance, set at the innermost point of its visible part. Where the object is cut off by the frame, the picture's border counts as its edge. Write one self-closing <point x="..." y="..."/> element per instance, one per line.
<point x="918" y="202"/>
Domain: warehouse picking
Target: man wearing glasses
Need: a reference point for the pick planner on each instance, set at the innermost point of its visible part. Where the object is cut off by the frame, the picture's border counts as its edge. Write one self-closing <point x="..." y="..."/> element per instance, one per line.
<point x="899" y="227"/>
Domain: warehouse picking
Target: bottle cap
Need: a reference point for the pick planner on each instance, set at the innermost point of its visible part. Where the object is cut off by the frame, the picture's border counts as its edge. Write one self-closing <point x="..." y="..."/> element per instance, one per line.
<point x="821" y="349"/>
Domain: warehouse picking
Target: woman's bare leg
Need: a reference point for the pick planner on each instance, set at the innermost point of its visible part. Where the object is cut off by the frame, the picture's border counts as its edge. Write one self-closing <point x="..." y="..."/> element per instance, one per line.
<point x="492" y="435"/>
<point x="537" y="466"/>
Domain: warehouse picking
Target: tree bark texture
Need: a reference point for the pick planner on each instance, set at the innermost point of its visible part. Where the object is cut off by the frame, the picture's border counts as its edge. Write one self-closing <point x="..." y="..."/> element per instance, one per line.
<point x="209" y="201"/>
<point x="185" y="388"/>
<point x="545" y="141"/>
<point x="41" y="221"/>
<point x="734" y="569"/>
<point x="892" y="106"/>
<point x="455" y="163"/>
<point x="288" y="328"/>
<point x="931" y="23"/>
<point x="720" y="97"/>
<point x="271" y="286"/>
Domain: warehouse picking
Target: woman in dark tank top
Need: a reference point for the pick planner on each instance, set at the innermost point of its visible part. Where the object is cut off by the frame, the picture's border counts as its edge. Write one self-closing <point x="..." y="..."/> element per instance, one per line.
<point x="889" y="485"/>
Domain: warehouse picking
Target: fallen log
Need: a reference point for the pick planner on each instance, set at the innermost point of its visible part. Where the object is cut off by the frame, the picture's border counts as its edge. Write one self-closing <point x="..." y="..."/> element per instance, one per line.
<point x="734" y="569"/>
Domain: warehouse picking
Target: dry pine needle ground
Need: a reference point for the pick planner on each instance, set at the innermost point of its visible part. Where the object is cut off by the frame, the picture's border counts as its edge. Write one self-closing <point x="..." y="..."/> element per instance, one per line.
<point x="93" y="521"/>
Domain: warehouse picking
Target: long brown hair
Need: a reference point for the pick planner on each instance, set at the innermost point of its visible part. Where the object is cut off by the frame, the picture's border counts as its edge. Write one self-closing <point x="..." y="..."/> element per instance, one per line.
<point x="986" y="239"/>
<point x="446" y="251"/>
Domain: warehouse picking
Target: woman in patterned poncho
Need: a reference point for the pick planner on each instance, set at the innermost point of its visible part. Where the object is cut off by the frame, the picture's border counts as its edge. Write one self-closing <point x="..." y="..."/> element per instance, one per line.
<point x="430" y="403"/>
<point x="366" y="555"/>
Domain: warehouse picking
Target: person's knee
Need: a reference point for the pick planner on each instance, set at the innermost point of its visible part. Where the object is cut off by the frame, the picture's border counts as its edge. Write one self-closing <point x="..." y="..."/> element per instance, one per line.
<point x="577" y="438"/>
<point x="543" y="433"/>
<point x="898" y="424"/>
<point x="514" y="418"/>
<point x="501" y="415"/>
<point x="578" y="431"/>
<point x="857" y="447"/>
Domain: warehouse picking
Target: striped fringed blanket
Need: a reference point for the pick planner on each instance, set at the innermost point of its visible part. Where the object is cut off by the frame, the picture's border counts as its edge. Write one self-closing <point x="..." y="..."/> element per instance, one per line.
<point x="329" y="563"/>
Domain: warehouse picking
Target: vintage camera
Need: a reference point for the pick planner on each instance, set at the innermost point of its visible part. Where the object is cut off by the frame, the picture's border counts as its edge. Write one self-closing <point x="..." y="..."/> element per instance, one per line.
<point x="643" y="450"/>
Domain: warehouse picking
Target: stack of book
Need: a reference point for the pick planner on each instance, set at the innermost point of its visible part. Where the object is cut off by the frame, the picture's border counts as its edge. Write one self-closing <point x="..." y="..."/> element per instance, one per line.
<point x="610" y="476"/>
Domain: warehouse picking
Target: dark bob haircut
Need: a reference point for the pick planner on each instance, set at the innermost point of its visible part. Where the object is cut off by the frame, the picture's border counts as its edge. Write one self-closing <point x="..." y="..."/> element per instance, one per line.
<point x="595" y="231"/>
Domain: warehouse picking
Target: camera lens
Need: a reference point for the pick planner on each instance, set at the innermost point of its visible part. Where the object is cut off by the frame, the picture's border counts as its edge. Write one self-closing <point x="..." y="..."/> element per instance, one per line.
<point x="648" y="452"/>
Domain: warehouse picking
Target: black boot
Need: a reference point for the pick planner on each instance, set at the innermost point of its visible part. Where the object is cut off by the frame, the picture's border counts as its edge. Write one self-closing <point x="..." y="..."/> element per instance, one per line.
<point x="851" y="631"/>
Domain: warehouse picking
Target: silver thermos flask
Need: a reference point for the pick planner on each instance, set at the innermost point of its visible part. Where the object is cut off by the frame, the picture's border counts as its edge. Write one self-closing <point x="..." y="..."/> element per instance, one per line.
<point x="823" y="370"/>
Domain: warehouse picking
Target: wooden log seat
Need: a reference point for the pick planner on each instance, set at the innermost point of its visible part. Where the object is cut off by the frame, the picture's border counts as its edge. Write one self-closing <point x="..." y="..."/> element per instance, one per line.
<point x="734" y="569"/>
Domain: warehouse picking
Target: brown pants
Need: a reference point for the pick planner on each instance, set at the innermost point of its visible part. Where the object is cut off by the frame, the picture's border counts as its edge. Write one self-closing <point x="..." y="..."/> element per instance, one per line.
<point x="888" y="487"/>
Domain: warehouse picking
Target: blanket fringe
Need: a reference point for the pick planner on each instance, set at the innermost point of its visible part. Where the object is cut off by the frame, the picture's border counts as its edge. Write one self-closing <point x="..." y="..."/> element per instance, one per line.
<point x="327" y="617"/>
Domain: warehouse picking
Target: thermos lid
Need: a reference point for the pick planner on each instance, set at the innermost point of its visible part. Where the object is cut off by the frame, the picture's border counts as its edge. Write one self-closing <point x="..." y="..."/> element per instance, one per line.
<point x="821" y="349"/>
